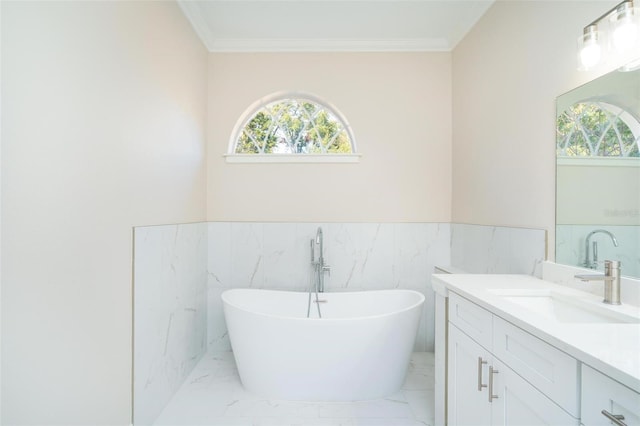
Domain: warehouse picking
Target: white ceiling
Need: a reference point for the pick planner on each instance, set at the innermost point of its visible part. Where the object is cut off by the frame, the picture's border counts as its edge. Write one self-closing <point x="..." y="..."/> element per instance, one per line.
<point x="332" y="25"/>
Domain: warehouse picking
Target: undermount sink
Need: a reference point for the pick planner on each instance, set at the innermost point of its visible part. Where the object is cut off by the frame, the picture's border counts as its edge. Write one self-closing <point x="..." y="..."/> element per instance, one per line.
<point x="563" y="308"/>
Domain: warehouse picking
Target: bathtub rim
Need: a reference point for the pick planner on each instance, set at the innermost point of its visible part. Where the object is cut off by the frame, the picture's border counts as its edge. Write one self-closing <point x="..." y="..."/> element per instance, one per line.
<point x="419" y="303"/>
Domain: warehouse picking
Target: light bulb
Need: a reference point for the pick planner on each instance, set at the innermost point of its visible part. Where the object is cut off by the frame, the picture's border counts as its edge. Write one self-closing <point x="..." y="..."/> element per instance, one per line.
<point x="590" y="55"/>
<point x="625" y="31"/>
<point x="590" y="51"/>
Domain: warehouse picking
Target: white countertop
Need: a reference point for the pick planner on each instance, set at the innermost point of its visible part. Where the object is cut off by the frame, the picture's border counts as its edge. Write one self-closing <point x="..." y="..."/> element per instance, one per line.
<point x="613" y="349"/>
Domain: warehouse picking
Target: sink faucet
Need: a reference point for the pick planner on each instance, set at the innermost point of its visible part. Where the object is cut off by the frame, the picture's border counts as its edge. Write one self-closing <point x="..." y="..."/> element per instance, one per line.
<point x="319" y="265"/>
<point x="593" y="262"/>
<point x="611" y="280"/>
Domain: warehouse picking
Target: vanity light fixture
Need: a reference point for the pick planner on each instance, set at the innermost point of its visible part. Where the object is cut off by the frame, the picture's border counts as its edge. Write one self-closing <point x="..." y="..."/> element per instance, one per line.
<point x="620" y="37"/>
<point x="590" y="49"/>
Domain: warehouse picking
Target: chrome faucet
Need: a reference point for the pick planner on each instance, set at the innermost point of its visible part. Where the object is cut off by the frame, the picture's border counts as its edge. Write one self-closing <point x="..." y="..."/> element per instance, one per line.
<point x="594" y="261"/>
<point x="611" y="280"/>
<point x="319" y="265"/>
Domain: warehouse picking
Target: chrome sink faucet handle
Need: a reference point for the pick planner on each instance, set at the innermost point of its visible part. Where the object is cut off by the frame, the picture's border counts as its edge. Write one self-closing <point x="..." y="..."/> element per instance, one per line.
<point x="611" y="280"/>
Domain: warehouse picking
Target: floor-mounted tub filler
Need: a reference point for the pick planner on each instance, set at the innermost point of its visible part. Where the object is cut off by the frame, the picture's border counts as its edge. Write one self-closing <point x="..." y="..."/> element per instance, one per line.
<point x="358" y="350"/>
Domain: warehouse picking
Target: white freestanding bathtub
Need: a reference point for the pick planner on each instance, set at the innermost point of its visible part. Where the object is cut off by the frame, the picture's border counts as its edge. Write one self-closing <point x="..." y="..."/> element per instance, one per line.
<point x="358" y="350"/>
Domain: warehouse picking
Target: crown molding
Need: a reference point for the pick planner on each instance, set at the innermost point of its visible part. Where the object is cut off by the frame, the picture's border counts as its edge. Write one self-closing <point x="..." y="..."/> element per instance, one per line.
<point x="195" y="15"/>
<point x="327" y="45"/>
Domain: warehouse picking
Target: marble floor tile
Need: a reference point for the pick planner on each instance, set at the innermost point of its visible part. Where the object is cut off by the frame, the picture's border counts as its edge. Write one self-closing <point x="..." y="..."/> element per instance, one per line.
<point x="394" y="406"/>
<point x="389" y="422"/>
<point x="271" y="408"/>
<point x="213" y="395"/>
<point x="421" y="403"/>
<point x="422" y="371"/>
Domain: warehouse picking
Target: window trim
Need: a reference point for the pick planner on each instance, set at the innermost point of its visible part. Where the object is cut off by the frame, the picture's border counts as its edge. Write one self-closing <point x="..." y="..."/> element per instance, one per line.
<point x="254" y="108"/>
<point x="598" y="161"/>
<point x="292" y="158"/>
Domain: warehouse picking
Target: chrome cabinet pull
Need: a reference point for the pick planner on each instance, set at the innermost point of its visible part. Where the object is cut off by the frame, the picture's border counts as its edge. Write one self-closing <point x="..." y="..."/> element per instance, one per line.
<point x="617" y="419"/>
<point x="491" y="373"/>
<point x="480" y="385"/>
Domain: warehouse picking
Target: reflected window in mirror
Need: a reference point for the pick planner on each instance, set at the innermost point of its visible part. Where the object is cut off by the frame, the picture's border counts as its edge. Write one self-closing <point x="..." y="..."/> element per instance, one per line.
<point x="598" y="173"/>
<point x="597" y="129"/>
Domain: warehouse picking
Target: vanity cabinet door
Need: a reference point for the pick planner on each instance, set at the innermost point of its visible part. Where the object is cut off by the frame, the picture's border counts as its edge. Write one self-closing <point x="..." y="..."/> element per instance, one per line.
<point x="599" y="392"/>
<point x="516" y="402"/>
<point x="468" y="368"/>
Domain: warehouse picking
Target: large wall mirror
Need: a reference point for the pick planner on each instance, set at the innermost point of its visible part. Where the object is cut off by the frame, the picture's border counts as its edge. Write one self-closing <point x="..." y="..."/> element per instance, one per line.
<point x="598" y="173"/>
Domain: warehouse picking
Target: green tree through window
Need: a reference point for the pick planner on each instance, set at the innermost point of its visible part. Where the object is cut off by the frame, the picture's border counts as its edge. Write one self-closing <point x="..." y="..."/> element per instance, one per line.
<point x="294" y="126"/>
<point x="597" y="129"/>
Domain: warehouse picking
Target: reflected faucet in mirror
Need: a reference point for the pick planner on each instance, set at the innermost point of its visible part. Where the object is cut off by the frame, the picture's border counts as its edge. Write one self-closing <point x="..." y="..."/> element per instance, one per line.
<point x="593" y="262"/>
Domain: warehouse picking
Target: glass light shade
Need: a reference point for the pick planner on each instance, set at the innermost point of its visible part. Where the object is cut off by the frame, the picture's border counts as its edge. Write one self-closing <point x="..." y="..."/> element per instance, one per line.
<point x="589" y="49"/>
<point x="625" y="29"/>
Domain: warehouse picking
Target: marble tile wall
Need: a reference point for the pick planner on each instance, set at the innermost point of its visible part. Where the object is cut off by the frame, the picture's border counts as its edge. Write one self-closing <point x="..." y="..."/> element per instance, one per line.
<point x="170" y="312"/>
<point x="180" y="272"/>
<point x="362" y="256"/>
<point x="570" y="242"/>
<point x="497" y="250"/>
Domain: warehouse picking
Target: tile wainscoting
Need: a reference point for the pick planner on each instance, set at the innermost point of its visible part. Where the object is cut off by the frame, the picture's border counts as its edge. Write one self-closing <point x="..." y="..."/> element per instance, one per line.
<point x="482" y="249"/>
<point x="180" y="271"/>
<point x="362" y="256"/>
<point x="170" y="312"/>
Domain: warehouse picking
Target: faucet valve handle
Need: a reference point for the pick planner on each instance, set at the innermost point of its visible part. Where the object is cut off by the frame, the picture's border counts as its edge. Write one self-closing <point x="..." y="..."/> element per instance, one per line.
<point x="612" y="264"/>
<point x="327" y="269"/>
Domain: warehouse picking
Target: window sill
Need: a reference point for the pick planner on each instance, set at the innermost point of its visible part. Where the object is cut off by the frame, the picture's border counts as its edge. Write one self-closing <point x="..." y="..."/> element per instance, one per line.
<point x="599" y="161"/>
<point x="292" y="158"/>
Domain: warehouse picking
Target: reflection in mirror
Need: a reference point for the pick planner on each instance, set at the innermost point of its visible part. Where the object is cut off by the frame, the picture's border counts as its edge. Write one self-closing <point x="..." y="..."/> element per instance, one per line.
<point x="598" y="173"/>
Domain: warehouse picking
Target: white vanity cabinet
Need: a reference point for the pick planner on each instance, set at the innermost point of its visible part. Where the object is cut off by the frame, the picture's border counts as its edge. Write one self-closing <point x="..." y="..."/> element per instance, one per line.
<point x="603" y="398"/>
<point x="542" y="369"/>
<point x="488" y="362"/>
<point x="468" y="403"/>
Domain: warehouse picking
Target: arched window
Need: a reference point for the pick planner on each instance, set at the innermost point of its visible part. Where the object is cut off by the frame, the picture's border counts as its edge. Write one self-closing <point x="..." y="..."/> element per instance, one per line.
<point x="287" y="126"/>
<point x="597" y="129"/>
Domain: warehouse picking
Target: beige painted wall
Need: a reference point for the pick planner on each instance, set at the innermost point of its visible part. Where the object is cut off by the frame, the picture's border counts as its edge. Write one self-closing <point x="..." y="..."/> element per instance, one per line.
<point x="507" y="73"/>
<point x="103" y="114"/>
<point x="399" y="107"/>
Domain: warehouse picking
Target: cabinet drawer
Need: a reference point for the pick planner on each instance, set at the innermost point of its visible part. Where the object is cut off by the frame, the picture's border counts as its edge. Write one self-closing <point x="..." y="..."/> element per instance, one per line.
<point x="551" y="371"/>
<point x="471" y="319"/>
<point x="600" y="392"/>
